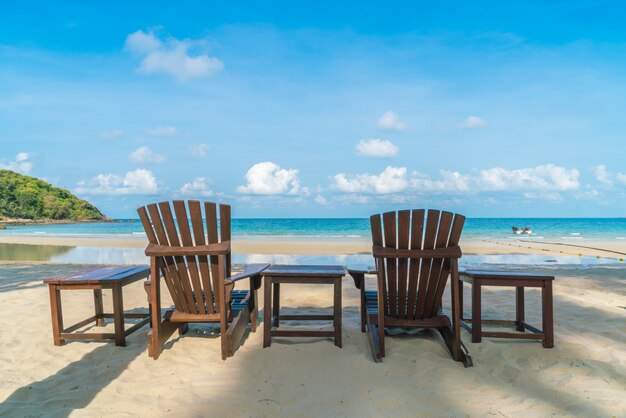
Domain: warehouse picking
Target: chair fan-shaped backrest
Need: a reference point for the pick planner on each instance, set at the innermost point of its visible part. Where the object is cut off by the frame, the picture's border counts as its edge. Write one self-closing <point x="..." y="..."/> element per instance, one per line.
<point x="189" y="279"/>
<point x="415" y="280"/>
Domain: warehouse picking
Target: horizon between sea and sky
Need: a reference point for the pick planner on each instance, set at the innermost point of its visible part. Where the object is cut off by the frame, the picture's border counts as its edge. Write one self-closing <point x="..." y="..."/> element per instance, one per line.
<point x="489" y="109"/>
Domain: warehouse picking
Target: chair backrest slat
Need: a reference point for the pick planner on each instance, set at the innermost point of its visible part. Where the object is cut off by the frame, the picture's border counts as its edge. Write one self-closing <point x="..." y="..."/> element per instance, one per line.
<point x="432" y="221"/>
<point x="415" y="282"/>
<point x="191" y="280"/>
<point x="404" y="224"/>
<point x="435" y="279"/>
<point x="184" y="283"/>
<point x="389" y="222"/>
<point x="195" y="211"/>
<point x="417" y="231"/>
<point x="225" y="231"/>
<point x="455" y="236"/>
<point x="186" y="240"/>
<point x="168" y="268"/>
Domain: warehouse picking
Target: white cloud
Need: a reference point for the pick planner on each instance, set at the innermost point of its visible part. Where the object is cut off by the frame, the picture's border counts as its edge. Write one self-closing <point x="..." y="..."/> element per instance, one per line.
<point x="199" y="150"/>
<point x="391" y="180"/>
<point x="376" y="148"/>
<point x="146" y="155"/>
<point x="319" y="199"/>
<point x="472" y="122"/>
<point x="21" y="163"/>
<point x="267" y="178"/>
<point x="543" y="178"/>
<point x="171" y="57"/>
<point x="162" y="131"/>
<point x="112" y="134"/>
<point x="602" y="175"/>
<point x="138" y="182"/>
<point x="200" y="186"/>
<point x="390" y="122"/>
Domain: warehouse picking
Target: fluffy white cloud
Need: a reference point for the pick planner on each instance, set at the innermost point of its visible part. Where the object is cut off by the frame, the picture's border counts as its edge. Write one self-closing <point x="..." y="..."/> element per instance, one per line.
<point x="162" y="131"/>
<point x="21" y="163"/>
<point x="200" y="186"/>
<point x="543" y="178"/>
<point x="267" y="178"/>
<point x="321" y="200"/>
<point x="146" y="155"/>
<point x="472" y="122"/>
<point x="138" y="182"/>
<point x="390" y="122"/>
<point x="199" y="150"/>
<point x="391" y="180"/>
<point x="112" y="134"/>
<point x="171" y="57"/>
<point x="376" y="148"/>
<point x="604" y="176"/>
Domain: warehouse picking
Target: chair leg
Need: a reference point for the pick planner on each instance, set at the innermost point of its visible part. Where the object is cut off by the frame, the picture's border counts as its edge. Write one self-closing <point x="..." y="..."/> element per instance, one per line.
<point x="452" y="342"/>
<point x="373" y="335"/>
<point x="183" y="328"/>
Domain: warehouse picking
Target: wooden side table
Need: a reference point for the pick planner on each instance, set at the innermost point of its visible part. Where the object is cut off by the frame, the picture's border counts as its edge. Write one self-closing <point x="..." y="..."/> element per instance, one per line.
<point x="276" y="275"/>
<point x="478" y="278"/>
<point x="114" y="278"/>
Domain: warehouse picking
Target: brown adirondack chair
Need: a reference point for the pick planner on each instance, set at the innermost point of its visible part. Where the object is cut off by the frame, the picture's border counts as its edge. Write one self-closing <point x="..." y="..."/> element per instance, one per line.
<point x="413" y="267"/>
<point x="197" y="273"/>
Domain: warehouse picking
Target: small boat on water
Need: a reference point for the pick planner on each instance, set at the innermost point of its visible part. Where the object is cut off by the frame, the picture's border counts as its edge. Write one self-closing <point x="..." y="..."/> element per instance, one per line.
<point x="522" y="231"/>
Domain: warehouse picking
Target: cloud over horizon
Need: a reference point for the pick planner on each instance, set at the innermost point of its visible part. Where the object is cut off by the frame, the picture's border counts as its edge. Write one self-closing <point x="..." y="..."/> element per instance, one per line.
<point x="267" y="178"/>
<point x="137" y="182"/>
<point x="20" y="164"/>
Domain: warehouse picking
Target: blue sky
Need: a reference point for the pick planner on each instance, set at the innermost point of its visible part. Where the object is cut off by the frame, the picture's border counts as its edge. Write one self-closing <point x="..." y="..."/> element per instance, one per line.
<point x="321" y="110"/>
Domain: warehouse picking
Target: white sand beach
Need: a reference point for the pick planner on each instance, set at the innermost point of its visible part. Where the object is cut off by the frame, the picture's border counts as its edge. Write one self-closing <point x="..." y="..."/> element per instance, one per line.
<point x="583" y="375"/>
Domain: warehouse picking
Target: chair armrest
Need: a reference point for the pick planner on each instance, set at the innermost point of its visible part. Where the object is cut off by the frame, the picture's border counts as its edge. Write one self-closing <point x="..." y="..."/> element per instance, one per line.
<point x="250" y="271"/>
<point x="221" y="248"/>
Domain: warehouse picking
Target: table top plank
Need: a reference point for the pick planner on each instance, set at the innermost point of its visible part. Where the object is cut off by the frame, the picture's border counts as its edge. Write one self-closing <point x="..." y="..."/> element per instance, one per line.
<point x="304" y="270"/>
<point x="102" y="275"/>
<point x="494" y="274"/>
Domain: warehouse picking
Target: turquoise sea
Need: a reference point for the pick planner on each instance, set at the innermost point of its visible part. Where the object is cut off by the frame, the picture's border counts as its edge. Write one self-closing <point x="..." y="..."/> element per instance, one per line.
<point x="549" y="229"/>
<point x="576" y="231"/>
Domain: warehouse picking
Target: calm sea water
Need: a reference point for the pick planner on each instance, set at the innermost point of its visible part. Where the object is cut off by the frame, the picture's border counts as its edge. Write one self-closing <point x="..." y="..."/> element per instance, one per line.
<point x="549" y="229"/>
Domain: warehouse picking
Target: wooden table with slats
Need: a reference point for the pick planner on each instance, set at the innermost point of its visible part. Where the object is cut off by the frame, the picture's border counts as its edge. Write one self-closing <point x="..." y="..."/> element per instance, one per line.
<point x="111" y="277"/>
<point x="276" y="275"/>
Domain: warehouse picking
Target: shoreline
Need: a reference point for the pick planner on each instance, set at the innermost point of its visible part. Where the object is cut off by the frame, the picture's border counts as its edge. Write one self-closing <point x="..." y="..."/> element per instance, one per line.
<point x="345" y="247"/>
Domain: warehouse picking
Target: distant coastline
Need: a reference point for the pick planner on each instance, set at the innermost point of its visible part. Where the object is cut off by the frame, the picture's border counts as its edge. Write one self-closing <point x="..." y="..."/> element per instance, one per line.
<point x="4" y="222"/>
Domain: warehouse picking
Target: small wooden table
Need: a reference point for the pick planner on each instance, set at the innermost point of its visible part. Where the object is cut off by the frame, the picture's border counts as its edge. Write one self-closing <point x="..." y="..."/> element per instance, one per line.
<point x="477" y="279"/>
<point x="113" y="278"/>
<point x="277" y="274"/>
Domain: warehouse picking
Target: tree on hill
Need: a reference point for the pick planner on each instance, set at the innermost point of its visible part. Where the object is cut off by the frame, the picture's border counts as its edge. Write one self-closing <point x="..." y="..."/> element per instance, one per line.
<point x="31" y="198"/>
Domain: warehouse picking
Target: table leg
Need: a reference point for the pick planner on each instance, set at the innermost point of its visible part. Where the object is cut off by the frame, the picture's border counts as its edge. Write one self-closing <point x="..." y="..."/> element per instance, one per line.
<point x="98" y="306"/>
<point x="267" y="312"/>
<point x="476" y="312"/>
<point x="276" y="303"/>
<point x="57" y="314"/>
<point x="337" y="312"/>
<point x="361" y="279"/>
<point x="118" y="316"/>
<point x="519" y="308"/>
<point x="547" y="314"/>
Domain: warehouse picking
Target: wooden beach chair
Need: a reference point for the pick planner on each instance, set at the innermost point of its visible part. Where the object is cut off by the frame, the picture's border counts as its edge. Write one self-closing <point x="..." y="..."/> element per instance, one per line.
<point x="197" y="272"/>
<point x="414" y="258"/>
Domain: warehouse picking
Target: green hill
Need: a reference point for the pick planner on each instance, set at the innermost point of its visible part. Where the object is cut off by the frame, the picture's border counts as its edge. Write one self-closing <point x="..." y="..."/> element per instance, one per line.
<point x="25" y="197"/>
